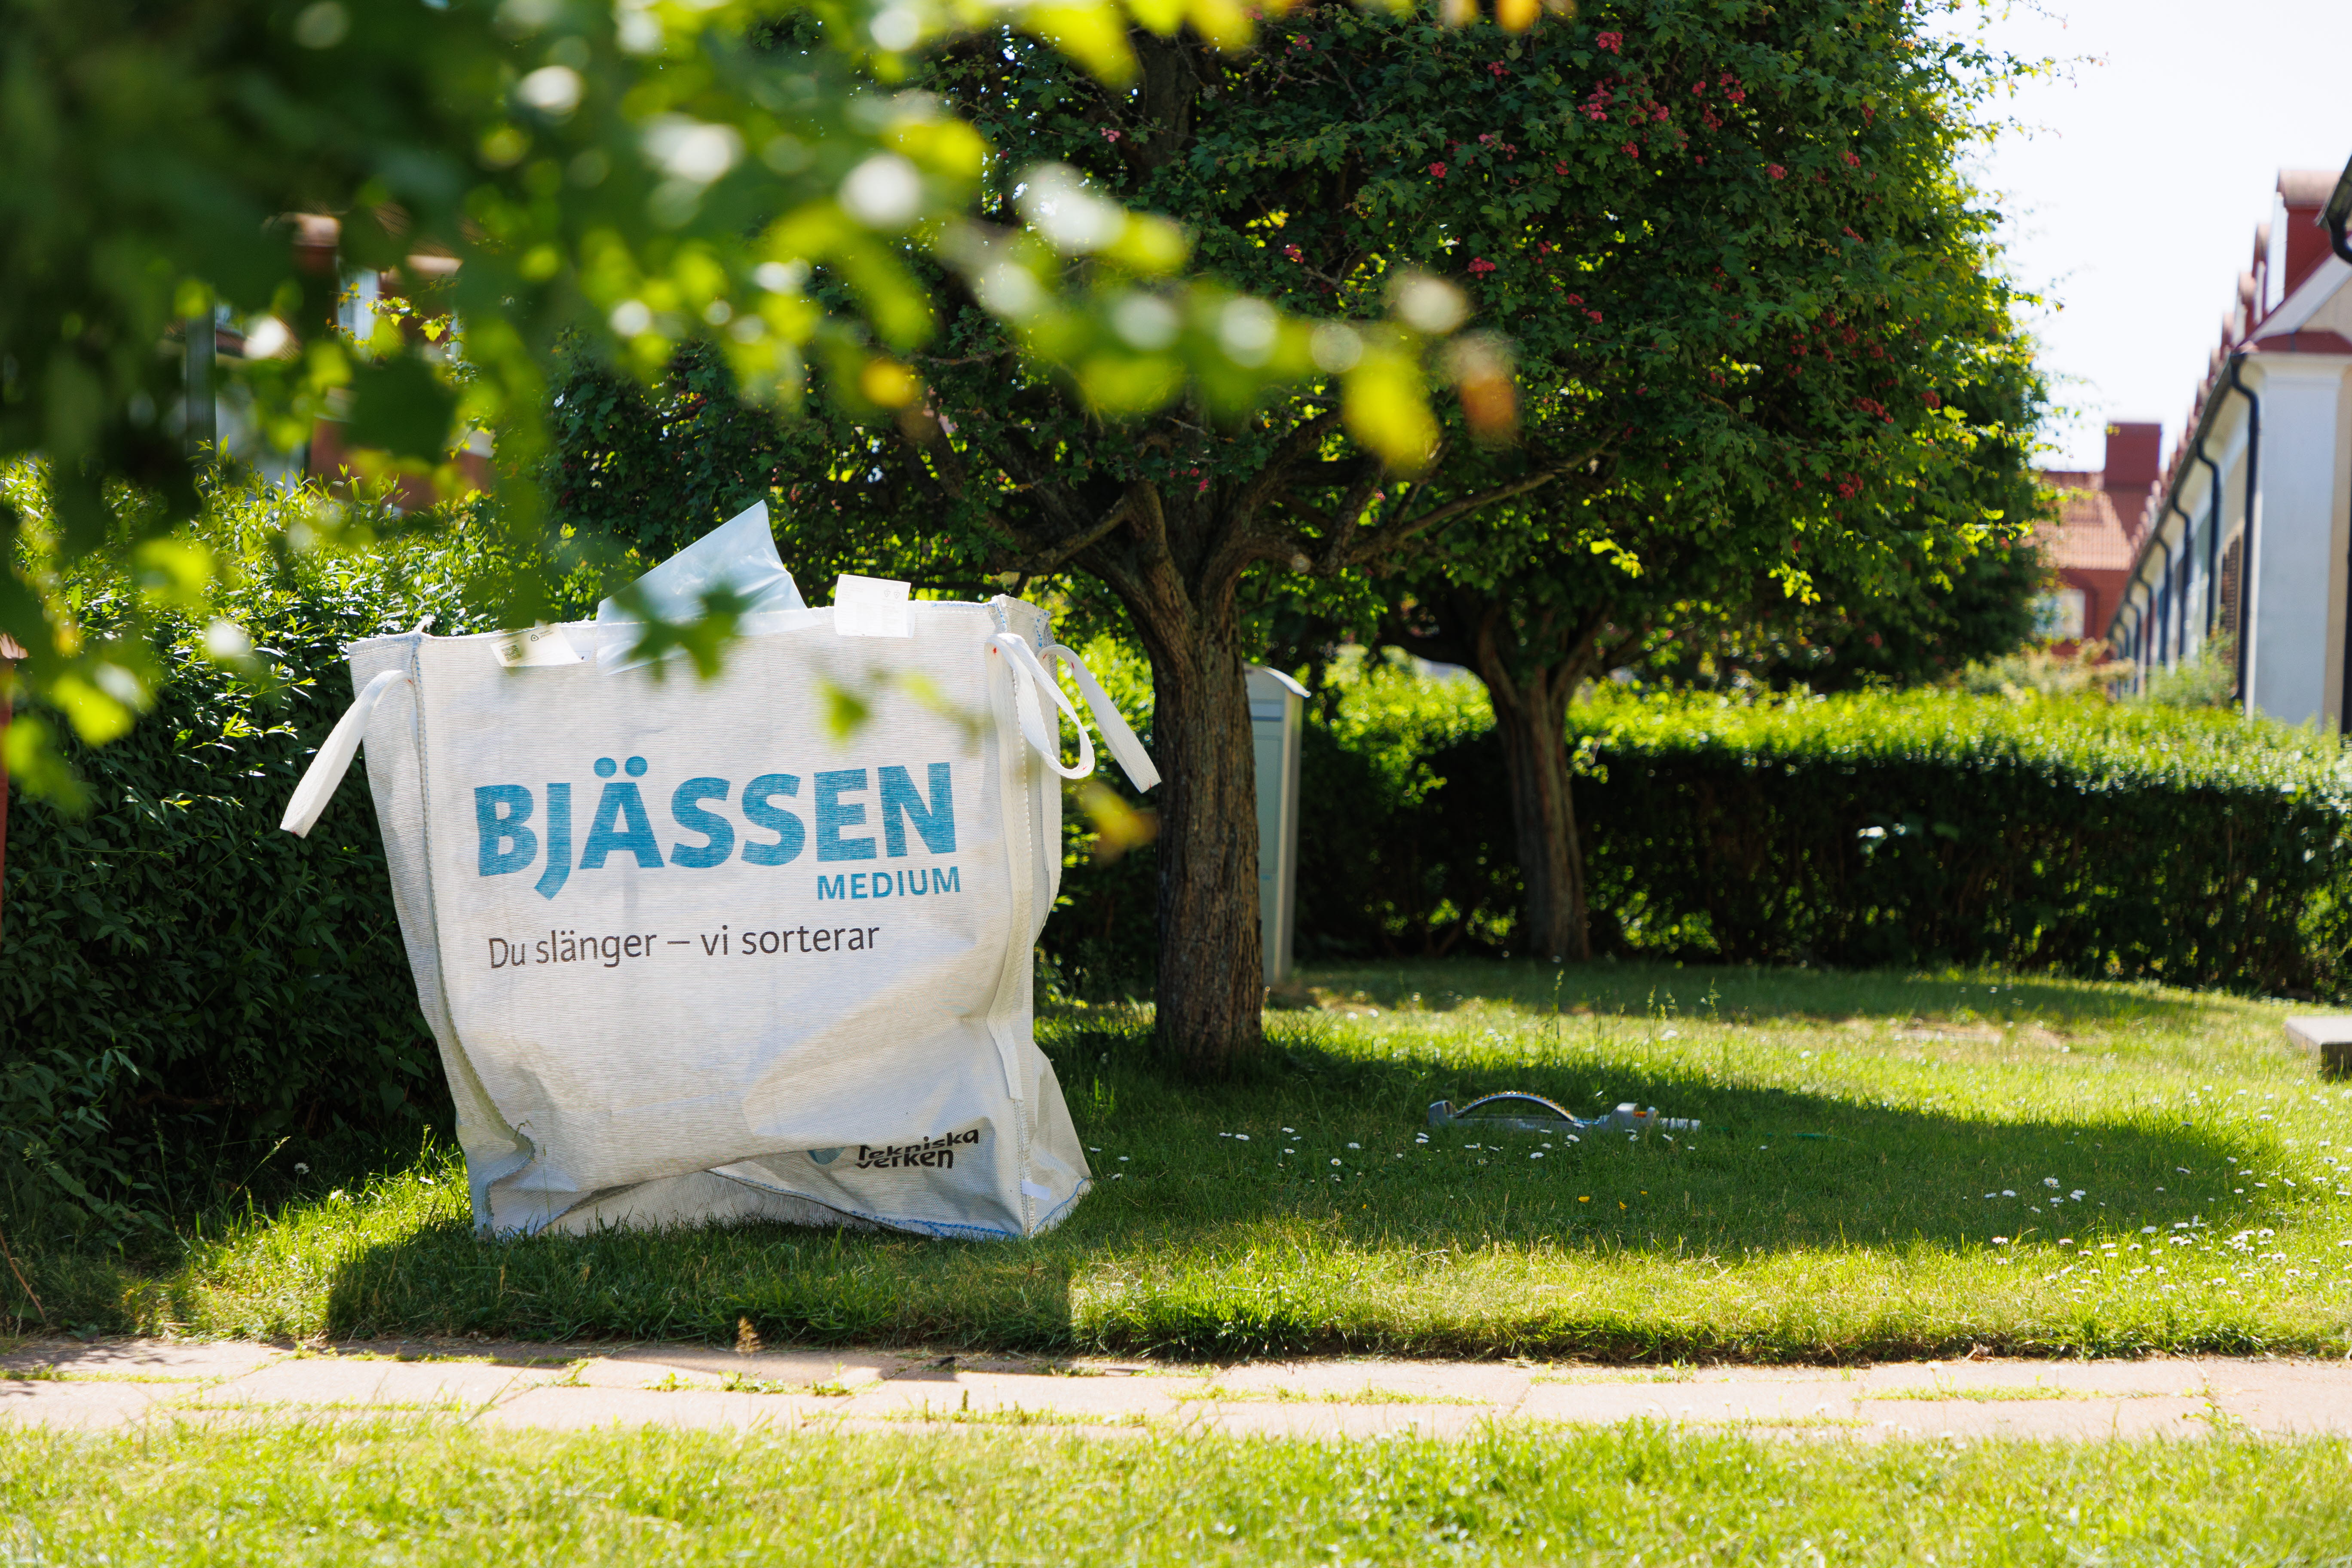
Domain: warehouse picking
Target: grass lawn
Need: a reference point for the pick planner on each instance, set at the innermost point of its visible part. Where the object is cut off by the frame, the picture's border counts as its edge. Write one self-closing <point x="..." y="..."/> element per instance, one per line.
<point x="419" y="1492"/>
<point x="1891" y="1165"/>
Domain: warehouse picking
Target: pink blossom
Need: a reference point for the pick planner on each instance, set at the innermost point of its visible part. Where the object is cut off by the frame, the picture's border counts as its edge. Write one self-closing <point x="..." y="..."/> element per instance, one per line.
<point x="1438" y="170"/>
<point x="1558" y="167"/>
<point x="1612" y="42"/>
<point x="1294" y="253"/>
<point x="1480" y="267"/>
<point x="1497" y="68"/>
<point x="1851" y="161"/>
<point x="1109" y="135"/>
<point x="1631" y="150"/>
<point x="1777" y="171"/>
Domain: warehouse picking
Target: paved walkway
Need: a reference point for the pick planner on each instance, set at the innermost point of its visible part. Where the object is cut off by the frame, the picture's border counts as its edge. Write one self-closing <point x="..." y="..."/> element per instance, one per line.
<point x="114" y="1383"/>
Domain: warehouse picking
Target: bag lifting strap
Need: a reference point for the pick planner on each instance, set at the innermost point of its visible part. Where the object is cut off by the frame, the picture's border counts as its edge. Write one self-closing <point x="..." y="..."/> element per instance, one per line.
<point x="334" y="758"/>
<point x="1132" y="758"/>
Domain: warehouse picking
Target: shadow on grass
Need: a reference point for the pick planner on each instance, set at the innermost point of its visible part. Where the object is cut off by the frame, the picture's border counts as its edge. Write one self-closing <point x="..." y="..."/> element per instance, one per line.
<point x="1741" y="994"/>
<point x="1322" y="1230"/>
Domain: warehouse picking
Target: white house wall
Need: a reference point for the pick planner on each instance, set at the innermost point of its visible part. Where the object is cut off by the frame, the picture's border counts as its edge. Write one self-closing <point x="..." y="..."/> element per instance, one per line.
<point x="2339" y="536"/>
<point x="2296" y="630"/>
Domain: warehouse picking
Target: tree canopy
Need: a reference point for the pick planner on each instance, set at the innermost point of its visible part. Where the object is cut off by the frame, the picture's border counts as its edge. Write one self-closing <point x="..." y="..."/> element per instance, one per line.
<point x="1713" y="250"/>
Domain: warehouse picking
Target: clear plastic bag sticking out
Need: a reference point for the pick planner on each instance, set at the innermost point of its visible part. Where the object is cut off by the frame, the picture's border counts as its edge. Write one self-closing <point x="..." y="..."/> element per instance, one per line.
<point x="739" y="555"/>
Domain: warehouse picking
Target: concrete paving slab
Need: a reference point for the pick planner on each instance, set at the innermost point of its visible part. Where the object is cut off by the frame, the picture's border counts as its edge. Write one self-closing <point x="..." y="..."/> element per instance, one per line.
<point x="989" y="1394"/>
<point x="847" y="1368"/>
<point x="1777" y="1400"/>
<point x="2068" y="1419"/>
<point x="352" y="1381"/>
<point x="190" y="1359"/>
<point x="1486" y="1383"/>
<point x="1318" y="1420"/>
<point x="586" y="1386"/>
<point x="77" y="1406"/>
<point x="577" y="1410"/>
<point x="532" y="1353"/>
<point x="2172" y="1377"/>
<point x="2282" y="1397"/>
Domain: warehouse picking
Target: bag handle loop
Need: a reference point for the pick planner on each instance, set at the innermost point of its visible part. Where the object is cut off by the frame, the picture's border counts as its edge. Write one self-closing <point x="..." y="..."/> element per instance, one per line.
<point x="1029" y="678"/>
<point x="1133" y="760"/>
<point x="334" y="758"/>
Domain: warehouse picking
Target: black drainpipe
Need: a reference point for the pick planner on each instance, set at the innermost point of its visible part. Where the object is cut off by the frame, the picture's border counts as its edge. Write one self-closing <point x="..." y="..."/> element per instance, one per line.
<point x="2139" y="638"/>
<point x="2212" y="539"/>
<point x="2180" y="589"/>
<point x="2237" y="384"/>
<point x="2167" y="648"/>
<point x="2336" y="214"/>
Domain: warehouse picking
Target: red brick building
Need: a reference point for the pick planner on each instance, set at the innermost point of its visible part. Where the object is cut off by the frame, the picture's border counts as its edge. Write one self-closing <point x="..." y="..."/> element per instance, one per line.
<point x="2100" y="514"/>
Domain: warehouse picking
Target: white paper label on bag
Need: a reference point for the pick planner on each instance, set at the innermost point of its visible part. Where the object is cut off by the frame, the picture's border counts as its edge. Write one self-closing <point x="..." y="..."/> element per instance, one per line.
<point x="870" y="607"/>
<point x="540" y="645"/>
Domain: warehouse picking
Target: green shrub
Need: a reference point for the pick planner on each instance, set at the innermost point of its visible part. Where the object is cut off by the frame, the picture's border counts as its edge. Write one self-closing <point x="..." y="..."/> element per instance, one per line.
<point x="2208" y="681"/>
<point x="2078" y="836"/>
<point x="1404" y="848"/>
<point x="182" y="986"/>
<point x="1102" y="943"/>
<point x="2071" y="835"/>
<point x="1405" y="845"/>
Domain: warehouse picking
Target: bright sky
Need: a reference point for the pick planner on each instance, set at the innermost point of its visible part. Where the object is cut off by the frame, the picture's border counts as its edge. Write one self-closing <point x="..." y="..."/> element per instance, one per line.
<point x="2139" y="176"/>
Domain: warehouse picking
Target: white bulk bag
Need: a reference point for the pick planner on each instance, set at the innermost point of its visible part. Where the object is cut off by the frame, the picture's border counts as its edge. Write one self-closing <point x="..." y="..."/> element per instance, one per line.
<point x="690" y="957"/>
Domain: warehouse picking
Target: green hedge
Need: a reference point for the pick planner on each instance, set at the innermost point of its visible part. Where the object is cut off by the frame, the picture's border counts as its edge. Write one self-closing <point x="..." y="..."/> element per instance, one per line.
<point x="1929" y="828"/>
<point x="1406" y="843"/>
<point x="2123" y="840"/>
<point x="182" y="986"/>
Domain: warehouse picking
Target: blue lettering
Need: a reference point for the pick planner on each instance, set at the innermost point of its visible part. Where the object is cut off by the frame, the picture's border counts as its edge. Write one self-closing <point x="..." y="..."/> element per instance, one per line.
<point x="935" y="823"/>
<point x="946" y="880"/>
<point x="621" y="823"/>
<point x="499" y="812"/>
<point x="559" y="841"/>
<point x="790" y="834"/>
<point x="833" y="815"/>
<point x="832" y="887"/>
<point x="857" y="883"/>
<point x="709" y="823"/>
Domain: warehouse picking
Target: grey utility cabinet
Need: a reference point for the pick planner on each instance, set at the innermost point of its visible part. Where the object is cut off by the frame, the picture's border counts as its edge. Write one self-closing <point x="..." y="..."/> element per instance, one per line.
<point x="1277" y="713"/>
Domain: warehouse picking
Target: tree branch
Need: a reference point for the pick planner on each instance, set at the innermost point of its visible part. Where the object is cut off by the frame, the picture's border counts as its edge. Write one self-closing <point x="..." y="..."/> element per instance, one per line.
<point x="1058" y="556"/>
<point x="1388" y="538"/>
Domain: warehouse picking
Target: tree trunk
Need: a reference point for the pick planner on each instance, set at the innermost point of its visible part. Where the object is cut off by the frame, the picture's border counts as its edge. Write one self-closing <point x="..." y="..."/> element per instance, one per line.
<point x="1531" y="716"/>
<point x="1212" y="990"/>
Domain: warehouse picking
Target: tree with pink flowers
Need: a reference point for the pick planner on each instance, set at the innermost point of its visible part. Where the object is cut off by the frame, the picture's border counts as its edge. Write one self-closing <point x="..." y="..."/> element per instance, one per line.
<point x="1705" y="264"/>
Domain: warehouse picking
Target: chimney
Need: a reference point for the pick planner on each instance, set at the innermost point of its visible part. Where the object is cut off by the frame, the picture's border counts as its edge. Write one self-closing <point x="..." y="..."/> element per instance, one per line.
<point x="2303" y="194"/>
<point x="2135" y="462"/>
